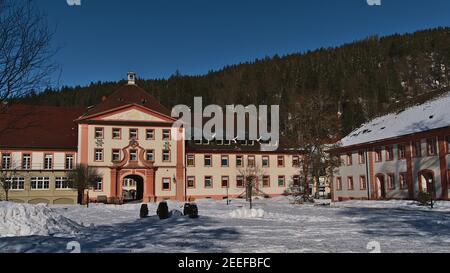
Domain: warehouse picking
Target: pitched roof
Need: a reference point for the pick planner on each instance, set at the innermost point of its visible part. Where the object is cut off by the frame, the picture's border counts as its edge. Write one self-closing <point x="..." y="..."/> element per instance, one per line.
<point x="129" y="94"/>
<point x="41" y="127"/>
<point x="431" y="115"/>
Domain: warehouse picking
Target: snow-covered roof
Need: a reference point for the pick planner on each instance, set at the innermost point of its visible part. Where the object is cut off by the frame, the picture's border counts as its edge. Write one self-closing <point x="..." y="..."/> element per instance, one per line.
<point x="433" y="114"/>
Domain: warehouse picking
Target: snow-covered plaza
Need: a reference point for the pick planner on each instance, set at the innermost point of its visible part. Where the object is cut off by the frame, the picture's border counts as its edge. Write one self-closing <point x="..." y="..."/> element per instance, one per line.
<point x="275" y="225"/>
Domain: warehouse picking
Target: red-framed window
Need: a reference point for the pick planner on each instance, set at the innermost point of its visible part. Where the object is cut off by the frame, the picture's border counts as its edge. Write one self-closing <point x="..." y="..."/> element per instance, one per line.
<point x="98" y="185"/>
<point x="239" y="161"/>
<point x="207" y="160"/>
<point x="150" y="134"/>
<point x="115" y="155"/>
<point x="378" y="154"/>
<point x="190" y="160"/>
<point x="166" y="184"/>
<point x="296" y="161"/>
<point x="99" y="132"/>
<point x="431" y="146"/>
<point x="225" y="161"/>
<point x="362" y="182"/>
<point x="281" y="181"/>
<point x="166" y="134"/>
<point x="389" y="152"/>
<point x="266" y="181"/>
<point x="339" y="183"/>
<point x="401" y="151"/>
<point x="280" y="161"/>
<point x="150" y="155"/>
<point x="239" y="181"/>
<point x="225" y="181"/>
<point x="98" y="155"/>
<point x="134" y="134"/>
<point x="391" y="181"/>
<point x="417" y="148"/>
<point x="208" y="182"/>
<point x="361" y="157"/>
<point x="251" y="162"/>
<point x="191" y="182"/>
<point x="349" y="159"/>
<point x="166" y="155"/>
<point x="116" y="133"/>
<point x="265" y="161"/>
<point x="350" y="184"/>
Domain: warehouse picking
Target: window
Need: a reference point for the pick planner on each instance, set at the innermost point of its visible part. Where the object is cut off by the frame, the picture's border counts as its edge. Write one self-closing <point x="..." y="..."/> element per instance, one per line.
<point x="391" y="181"/>
<point x="166" y="184"/>
<point x="68" y="165"/>
<point x="240" y="181"/>
<point x="280" y="161"/>
<point x="208" y="160"/>
<point x="417" y="148"/>
<point x="166" y="156"/>
<point x="266" y="181"/>
<point x="378" y="154"/>
<point x="208" y="182"/>
<point x="166" y="134"/>
<point x="224" y="161"/>
<point x="191" y="182"/>
<point x="191" y="160"/>
<point x="265" y="161"/>
<point x="296" y="180"/>
<point x="225" y="181"/>
<point x="150" y="155"/>
<point x="133" y="134"/>
<point x="401" y="151"/>
<point x="349" y="159"/>
<point x="16" y="183"/>
<point x="361" y="157"/>
<point x="350" y="183"/>
<point x="116" y="133"/>
<point x="389" y="152"/>
<point x="115" y="155"/>
<point x="251" y="161"/>
<point x="295" y="161"/>
<point x="99" y="133"/>
<point x="281" y="181"/>
<point x="133" y="155"/>
<point x="48" y="161"/>
<point x="40" y="183"/>
<point x="98" y="154"/>
<point x="239" y="161"/>
<point x="26" y="161"/>
<point x="98" y="185"/>
<point x="150" y="134"/>
<point x="339" y="183"/>
<point x="62" y="183"/>
<point x="362" y="183"/>
<point x="6" y="161"/>
<point x="403" y="181"/>
<point x="431" y="146"/>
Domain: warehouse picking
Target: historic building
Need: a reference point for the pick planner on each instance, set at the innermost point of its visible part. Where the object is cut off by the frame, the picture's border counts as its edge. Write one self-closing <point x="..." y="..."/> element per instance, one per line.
<point x="129" y="139"/>
<point x="397" y="156"/>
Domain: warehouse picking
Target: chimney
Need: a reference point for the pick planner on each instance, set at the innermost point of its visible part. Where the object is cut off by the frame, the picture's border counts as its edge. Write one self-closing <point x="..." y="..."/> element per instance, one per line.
<point x="131" y="78"/>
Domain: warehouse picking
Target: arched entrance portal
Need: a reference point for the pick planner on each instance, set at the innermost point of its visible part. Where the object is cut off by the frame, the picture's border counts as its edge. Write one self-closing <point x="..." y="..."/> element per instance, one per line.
<point x="132" y="188"/>
<point x="427" y="183"/>
<point x="381" y="187"/>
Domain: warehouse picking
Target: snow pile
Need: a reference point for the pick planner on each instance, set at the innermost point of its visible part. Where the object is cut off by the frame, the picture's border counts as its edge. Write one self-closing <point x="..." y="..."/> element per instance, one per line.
<point x="28" y="220"/>
<point x="247" y="213"/>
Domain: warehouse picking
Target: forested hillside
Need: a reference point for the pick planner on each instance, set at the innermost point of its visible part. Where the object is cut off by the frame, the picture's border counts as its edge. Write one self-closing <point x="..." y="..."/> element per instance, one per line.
<point x="359" y="80"/>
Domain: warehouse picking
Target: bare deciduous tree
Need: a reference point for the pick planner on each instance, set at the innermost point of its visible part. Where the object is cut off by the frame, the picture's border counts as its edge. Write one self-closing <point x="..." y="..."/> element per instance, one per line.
<point x="6" y="176"/>
<point x="251" y="175"/>
<point x="83" y="177"/>
<point x="25" y="50"/>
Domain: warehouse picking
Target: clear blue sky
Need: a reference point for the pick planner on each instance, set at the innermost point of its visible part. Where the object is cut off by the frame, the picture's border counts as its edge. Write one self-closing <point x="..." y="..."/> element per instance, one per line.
<point x="103" y="39"/>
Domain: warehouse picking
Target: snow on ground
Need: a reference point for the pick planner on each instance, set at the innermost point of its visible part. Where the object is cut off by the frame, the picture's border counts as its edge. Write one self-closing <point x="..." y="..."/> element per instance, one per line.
<point x="399" y="226"/>
<point x="27" y="220"/>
